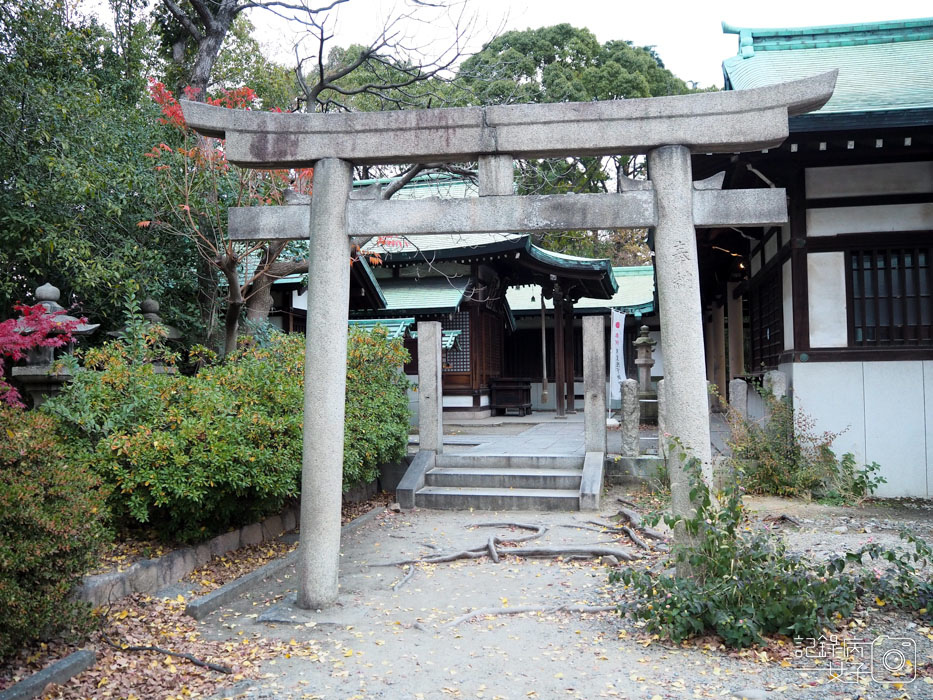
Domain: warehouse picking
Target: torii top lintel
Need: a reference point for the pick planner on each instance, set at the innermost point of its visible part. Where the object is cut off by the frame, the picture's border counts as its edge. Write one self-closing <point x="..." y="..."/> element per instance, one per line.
<point x="714" y="122"/>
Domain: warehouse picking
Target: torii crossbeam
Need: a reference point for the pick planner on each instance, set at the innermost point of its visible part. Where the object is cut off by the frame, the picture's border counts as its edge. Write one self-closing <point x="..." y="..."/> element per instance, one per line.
<point x="667" y="129"/>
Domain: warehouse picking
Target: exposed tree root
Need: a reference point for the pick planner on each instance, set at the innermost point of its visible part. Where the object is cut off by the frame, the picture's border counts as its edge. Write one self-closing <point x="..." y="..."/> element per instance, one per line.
<point x="411" y="572"/>
<point x="159" y="650"/>
<point x="634" y="519"/>
<point x="485" y="612"/>
<point x="635" y="538"/>
<point x="491" y="549"/>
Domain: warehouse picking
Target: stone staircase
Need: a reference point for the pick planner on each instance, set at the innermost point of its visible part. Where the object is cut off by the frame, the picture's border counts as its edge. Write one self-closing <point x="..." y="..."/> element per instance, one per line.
<point x="506" y="482"/>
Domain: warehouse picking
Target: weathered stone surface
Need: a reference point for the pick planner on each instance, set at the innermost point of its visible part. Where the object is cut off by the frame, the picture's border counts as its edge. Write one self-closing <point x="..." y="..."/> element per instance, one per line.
<point x="753" y="207"/>
<point x="591" y="483"/>
<point x="776" y="382"/>
<point x="500" y="214"/>
<point x="272" y="527"/>
<point x="630" y="418"/>
<point x="102" y="588"/>
<point x="738" y="396"/>
<point x="143" y="576"/>
<point x="59" y="672"/>
<point x="662" y="420"/>
<point x="289" y="521"/>
<point x="719" y="122"/>
<point x="430" y="391"/>
<point x="496" y="175"/>
<point x="224" y="543"/>
<point x="413" y="480"/>
<point x="206" y="604"/>
<point x="251" y="534"/>
<point x="594" y="384"/>
<point x="325" y="386"/>
<point x="687" y="416"/>
<point x="202" y="553"/>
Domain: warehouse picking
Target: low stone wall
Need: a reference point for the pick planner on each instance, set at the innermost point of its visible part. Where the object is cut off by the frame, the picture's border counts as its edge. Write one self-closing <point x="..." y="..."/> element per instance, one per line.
<point x="635" y="471"/>
<point x="151" y="575"/>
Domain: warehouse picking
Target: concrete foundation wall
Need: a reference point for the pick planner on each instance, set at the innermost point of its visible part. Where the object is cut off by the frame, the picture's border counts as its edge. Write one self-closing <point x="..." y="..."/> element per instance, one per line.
<point x="886" y="411"/>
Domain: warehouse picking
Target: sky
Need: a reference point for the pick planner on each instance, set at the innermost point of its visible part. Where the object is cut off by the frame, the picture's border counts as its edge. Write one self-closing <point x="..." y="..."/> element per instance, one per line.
<point x="687" y="34"/>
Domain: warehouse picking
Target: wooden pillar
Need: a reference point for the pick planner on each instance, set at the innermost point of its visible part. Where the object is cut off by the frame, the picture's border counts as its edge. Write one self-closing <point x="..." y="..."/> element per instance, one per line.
<point x="559" y="364"/>
<point x="568" y="356"/>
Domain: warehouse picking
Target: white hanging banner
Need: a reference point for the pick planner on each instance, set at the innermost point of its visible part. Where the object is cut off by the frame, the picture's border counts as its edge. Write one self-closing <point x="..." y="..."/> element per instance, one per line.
<point x="616" y="355"/>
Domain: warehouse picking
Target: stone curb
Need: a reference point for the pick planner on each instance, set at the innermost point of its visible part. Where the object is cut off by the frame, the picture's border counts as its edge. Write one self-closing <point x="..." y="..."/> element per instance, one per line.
<point x="206" y="604"/>
<point x="151" y="575"/>
<point x="58" y="672"/>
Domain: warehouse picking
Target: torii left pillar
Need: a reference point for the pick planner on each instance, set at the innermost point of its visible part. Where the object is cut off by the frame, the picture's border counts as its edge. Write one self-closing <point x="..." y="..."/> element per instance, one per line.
<point x="325" y="385"/>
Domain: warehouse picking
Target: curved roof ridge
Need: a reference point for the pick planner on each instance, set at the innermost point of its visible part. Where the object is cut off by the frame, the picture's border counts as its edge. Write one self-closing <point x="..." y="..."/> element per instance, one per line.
<point x="831" y="35"/>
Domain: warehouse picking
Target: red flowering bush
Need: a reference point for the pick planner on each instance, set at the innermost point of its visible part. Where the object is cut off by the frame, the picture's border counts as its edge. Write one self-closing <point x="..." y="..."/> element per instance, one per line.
<point x="19" y="336"/>
<point x="52" y="514"/>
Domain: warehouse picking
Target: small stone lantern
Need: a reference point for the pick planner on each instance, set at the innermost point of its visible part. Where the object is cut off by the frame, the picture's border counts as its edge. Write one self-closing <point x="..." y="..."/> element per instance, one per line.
<point x="648" y="398"/>
<point x="37" y="377"/>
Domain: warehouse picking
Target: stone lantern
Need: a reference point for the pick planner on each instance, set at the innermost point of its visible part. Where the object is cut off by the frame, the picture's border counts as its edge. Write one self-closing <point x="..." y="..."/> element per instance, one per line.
<point x="37" y="376"/>
<point x="648" y="398"/>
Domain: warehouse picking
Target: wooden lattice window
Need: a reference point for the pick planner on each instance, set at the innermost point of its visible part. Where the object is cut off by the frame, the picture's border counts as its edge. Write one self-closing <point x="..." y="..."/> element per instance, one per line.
<point x="766" y="312"/>
<point x="457" y="359"/>
<point x="889" y="297"/>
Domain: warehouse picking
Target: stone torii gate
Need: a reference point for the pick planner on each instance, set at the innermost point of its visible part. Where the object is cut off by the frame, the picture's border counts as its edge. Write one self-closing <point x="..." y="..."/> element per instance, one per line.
<point x="667" y="129"/>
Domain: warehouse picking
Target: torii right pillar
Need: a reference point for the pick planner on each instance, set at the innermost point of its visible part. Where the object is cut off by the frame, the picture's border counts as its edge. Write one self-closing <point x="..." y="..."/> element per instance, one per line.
<point x="681" y="314"/>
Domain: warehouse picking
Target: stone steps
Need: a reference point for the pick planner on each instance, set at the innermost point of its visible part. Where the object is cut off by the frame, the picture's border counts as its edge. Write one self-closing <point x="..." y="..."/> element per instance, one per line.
<point x="485" y="498"/>
<point x="502" y="482"/>
<point x="504" y="478"/>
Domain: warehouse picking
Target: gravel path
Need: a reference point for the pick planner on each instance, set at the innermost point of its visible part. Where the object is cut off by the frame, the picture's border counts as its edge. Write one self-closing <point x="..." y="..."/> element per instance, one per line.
<point x="384" y="643"/>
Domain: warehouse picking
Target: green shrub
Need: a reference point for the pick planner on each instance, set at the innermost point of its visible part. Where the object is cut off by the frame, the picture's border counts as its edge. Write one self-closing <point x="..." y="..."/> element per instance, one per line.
<point x="783" y="455"/>
<point x="51" y="526"/>
<point x="377" y="416"/>
<point x="748" y="585"/>
<point x="194" y="455"/>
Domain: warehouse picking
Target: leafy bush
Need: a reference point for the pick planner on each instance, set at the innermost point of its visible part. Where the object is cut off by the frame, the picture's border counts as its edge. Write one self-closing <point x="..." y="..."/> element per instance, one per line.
<point x="377" y="417"/>
<point x="747" y="585"/>
<point x="783" y="455"/>
<point x="51" y="525"/>
<point x="194" y="455"/>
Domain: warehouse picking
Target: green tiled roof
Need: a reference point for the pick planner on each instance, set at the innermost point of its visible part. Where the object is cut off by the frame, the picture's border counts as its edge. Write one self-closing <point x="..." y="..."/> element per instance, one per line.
<point x="395" y="327"/>
<point x="448" y="338"/>
<point x="440" y="295"/>
<point x="635" y="294"/>
<point x="882" y="66"/>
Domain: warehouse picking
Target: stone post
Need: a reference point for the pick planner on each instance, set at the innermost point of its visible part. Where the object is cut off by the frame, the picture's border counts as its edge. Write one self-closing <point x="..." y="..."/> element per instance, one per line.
<point x="594" y="384"/>
<point x="496" y="175"/>
<point x="736" y="332"/>
<point x="430" y="388"/>
<point x="630" y="415"/>
<point x="662" y="421"/>
<point x="776" y="381"/>
<point x="738" y="396"/>
<point x="687" y="415"/>
<point x="325" y="385"/>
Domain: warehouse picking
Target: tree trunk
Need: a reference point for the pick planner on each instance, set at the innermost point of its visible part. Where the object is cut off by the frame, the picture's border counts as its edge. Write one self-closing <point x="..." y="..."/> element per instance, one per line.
<point x="235" y="301"/>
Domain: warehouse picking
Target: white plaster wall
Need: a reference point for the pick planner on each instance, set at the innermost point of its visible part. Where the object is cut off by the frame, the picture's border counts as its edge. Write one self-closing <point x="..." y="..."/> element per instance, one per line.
<point x="771" y="246"/>
<point x="826" y="283"/>
<point x="458" y="402"/>
<point x="658" y="369"/>
<point x="895" y="422"/>
<point x="878" y="219"/>
<point x="888" y="410"/>
<point x="928" y="412"/>
<point x="787" y="282"/>
<point x="866" y="180"/>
